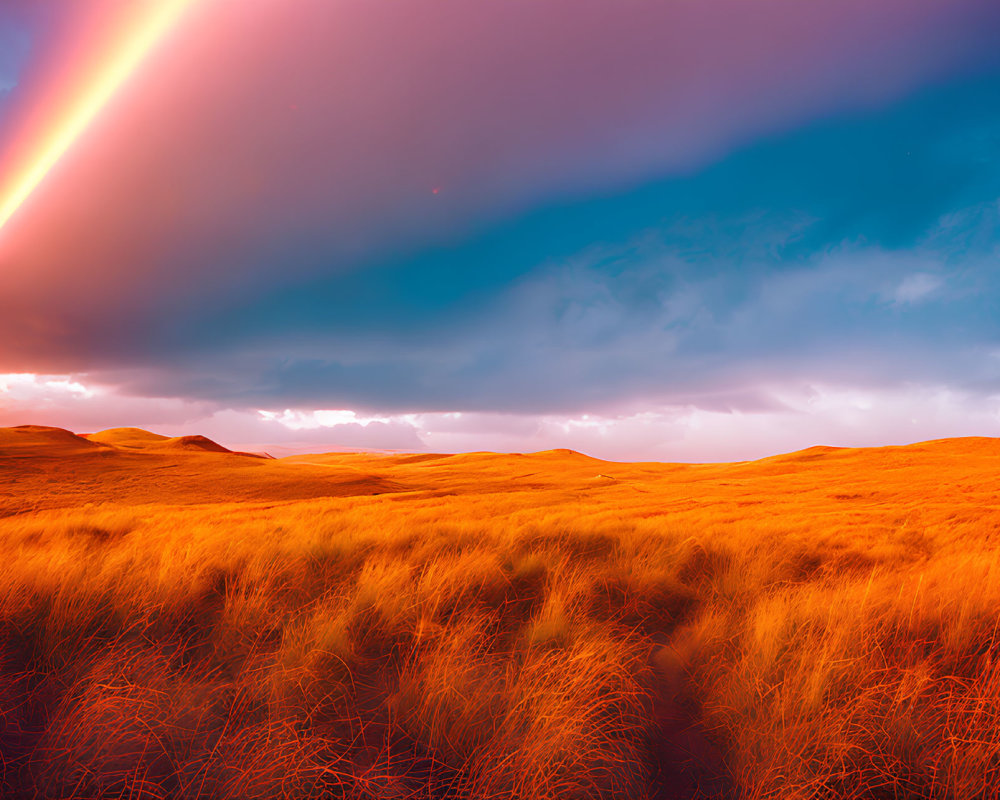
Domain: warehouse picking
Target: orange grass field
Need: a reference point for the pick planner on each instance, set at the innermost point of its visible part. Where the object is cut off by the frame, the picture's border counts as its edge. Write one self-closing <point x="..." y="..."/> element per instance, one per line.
<point x="177" y="620"/>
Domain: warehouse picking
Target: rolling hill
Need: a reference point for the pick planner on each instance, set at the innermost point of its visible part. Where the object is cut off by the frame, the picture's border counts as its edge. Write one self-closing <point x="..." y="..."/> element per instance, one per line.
<point x="179" y="620"/>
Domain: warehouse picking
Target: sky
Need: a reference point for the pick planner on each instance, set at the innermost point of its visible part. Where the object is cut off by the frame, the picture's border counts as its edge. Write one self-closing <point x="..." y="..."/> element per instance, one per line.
<point x="675" y="231"/>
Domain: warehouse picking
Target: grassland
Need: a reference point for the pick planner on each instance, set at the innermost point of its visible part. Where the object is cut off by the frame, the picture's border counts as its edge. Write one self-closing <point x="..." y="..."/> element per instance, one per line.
<point x="181" y="621"/>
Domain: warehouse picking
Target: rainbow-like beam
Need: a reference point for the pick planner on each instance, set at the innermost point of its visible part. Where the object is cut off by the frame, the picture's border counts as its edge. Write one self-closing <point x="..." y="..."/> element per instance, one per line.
<point x="137" y="42"/>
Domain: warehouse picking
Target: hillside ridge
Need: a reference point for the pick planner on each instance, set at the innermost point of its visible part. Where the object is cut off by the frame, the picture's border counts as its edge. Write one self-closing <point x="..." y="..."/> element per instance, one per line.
<point x="139" y="439"/>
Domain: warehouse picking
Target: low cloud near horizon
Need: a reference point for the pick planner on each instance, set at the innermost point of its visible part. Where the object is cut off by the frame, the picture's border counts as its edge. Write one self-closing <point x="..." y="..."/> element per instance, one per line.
<point x="786" y="419"/>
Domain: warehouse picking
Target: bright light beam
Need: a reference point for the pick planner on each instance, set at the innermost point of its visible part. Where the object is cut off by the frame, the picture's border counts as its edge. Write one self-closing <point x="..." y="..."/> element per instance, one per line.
<point x="159" y="20"/>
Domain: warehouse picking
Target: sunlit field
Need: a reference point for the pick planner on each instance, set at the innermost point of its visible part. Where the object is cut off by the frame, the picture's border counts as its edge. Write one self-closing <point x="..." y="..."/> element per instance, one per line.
<point x="179" y="621"/>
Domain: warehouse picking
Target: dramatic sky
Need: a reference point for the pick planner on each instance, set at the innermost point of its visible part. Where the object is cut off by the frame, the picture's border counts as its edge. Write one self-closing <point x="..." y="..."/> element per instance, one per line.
<point x="643" y="229"/>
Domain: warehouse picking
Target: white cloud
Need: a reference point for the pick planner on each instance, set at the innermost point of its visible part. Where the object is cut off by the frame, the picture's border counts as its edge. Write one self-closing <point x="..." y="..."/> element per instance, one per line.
<point x="82" y="404"/>
<point x="321" y="418"/>
<point x="20" y="387"/>
<point x="916" y="288"/>
<point x="798" y="415"/>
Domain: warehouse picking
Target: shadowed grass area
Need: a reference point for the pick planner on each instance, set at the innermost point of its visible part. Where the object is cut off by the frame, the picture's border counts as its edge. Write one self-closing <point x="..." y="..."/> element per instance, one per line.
<point x="818" y="625"/>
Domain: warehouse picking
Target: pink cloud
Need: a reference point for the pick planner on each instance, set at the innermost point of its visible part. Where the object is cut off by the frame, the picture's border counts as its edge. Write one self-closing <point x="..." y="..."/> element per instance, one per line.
<point x="800" y="415"/>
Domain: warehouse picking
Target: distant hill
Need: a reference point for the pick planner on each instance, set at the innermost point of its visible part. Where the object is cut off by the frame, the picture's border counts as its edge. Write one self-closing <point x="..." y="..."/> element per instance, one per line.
<point x="43" y="466"/>
<point x="139" y="439"/>
<point x="56" y="467"/>
<point x="27" y="440"/>
<point x="127" y="437"/>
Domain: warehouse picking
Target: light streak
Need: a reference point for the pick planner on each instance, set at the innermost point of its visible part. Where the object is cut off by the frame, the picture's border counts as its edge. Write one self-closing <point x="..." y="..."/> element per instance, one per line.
<point x="139" y="41"/>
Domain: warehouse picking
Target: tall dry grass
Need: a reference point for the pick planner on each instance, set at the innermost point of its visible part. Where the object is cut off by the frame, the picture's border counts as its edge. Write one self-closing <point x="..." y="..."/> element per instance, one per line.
<point x="561" y="644"/>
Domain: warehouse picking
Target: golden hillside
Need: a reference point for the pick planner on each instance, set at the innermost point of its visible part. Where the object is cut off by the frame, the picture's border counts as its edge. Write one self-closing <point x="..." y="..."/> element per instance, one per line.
<point x="179" y="620"/>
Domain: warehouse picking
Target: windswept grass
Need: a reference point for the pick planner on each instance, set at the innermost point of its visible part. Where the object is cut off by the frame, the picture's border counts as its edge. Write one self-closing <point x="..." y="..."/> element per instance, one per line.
<point x="794" y="629"/>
